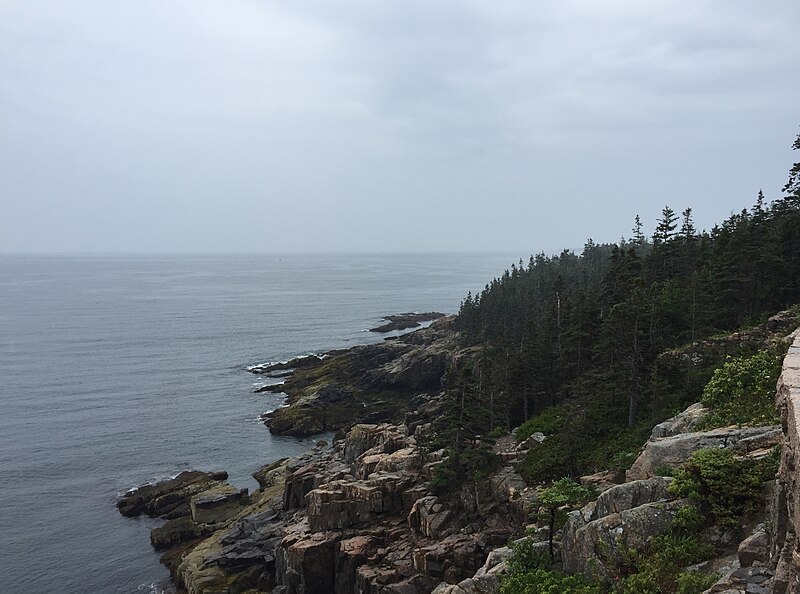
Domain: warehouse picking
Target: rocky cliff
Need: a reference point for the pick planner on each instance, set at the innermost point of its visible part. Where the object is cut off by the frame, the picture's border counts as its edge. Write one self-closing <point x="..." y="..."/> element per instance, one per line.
<point x="785" y="517"/>
<point x="364" y="384"/>
<point x="357" y="516"/>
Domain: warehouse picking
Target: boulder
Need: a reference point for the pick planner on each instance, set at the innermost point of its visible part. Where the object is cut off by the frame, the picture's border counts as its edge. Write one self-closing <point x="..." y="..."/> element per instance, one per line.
<point x="486" y="580"/>
<point x="306" y="563"/>
<point x="343" y="503"/>
<point x="454" y="558"/>
<point x="301" y="481"/>
<point x="332" y="394"/>
<point x="601" y="481"/>
<point x="351" y="554"/>
<point x="428" y="517"/>
<point x="683" y="422"/>
<point x="671" y="452"/>
<point x="269" y="474"/>
<point x="623" y="517"/>
<point x="218" y="504"/>
<point x="235" y="559"/>
<point x="162" y="498"/>
<point x="419" y="369"/>
<point x="531" y="442"/>
<point x="175" y="532"/>
<point x="754" y="550"/>
<point x="785" y="520"/>
<point x="745" y="580"/>
<point x="405" y="460"/>
<point x="588" y="546"/>
<point x="629" y="495"/>
<point x="377" y="439"/>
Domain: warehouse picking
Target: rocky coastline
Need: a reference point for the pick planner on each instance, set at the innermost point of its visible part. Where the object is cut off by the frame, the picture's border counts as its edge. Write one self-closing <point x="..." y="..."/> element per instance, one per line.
<point x="365" y="384"/>
<point x="359" y="515"/>
<point x="405" y="321"/>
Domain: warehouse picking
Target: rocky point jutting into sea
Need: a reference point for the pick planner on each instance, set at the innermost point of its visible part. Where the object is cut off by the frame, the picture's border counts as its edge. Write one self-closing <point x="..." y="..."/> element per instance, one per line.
<point x="359" y="515"/>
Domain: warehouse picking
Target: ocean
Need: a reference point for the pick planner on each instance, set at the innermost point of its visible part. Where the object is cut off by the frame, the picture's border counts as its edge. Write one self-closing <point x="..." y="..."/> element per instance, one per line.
<point x="119" y="370"/>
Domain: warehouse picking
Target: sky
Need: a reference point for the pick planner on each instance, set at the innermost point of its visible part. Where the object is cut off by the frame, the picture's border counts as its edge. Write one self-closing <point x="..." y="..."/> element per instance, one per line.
<point x="372" y="126"/>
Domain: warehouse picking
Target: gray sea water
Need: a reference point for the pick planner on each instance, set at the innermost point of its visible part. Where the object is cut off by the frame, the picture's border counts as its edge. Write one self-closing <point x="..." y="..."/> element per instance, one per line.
<point x="115" y="371"/>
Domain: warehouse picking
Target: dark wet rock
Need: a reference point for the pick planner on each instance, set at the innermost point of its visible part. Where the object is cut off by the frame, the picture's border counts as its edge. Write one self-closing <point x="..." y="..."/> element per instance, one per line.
<point x="175" y="532"/>
<point x="367" y="383"/>
<point x="405" y="321"/>
<point x="754" y="550"/>
<point x="332" y="394"/>
<point x="269" y="474"/>
<point x="218" y="504"/>
<point x="167" y="496"/>
<point x="290" y="366"/>
<point x="271" y="388"/>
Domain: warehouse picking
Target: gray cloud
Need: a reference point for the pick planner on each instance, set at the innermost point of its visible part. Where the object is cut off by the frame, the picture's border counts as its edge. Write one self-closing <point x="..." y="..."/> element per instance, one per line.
<point x="311" y="125"/>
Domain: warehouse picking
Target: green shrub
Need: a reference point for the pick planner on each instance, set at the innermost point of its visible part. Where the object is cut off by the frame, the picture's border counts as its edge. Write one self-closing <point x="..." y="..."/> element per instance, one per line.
<point x="689" y="519"/>
<point x="458" y="467"/>
<point x="742" y="391"/>
<point x="550" y="421"/>
<point x="694" y="582"/>
<point x="527" y="557"/>
<point x="656" y="568"/>
<point x="548" y="461"/>
<point x="724" y="487"/>
<point x="638" y="583"/>
<point x="564" y="494"/>
<point x="497" y="432"/>
<point x="446" y="476"/>
<point x="542" y="581"/>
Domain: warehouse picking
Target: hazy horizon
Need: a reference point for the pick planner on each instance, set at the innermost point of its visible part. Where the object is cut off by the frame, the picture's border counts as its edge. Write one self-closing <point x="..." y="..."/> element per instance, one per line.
<point x="455" y="127"/>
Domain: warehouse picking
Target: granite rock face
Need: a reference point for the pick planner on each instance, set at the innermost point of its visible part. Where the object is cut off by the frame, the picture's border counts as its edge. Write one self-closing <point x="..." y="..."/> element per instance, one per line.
<point x="785" y="520"/>
<point x="623" y="517"/>
<point x="673" y="451"/>
<point x="684" y="422"/>
<point x="357" y="517"/>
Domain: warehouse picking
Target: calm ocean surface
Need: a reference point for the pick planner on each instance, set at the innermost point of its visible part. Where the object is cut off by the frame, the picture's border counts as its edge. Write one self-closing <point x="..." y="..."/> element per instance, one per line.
<point x="119" y="370"/>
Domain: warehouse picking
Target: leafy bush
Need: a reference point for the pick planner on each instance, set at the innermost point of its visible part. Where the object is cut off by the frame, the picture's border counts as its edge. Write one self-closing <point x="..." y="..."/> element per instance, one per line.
<point x="550" y="421"/>
<point x="638" y="583"/>
<point x="656" y="568"/>
<point x="473" y="464"/>
<point x="694" y="582"/>
<point x="446" y="476"/>
<point x="527" y="557"/>
<point x="689" y="519"/>
<point x="724" y="487"/>
<point x="742" y="391"/>
<point x="542" y="581"/>
<point x="563" y="494"/>
<point x="497" y="432"/>
<point x="547" y="461"/>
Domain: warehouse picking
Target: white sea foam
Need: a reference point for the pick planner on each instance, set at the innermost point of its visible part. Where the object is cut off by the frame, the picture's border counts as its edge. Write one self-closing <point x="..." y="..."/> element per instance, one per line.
<point x="156" y="588"/>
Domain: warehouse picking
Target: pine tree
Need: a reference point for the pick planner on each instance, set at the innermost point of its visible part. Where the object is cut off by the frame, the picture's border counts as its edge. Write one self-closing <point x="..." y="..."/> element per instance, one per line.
<point x="792" y="187"/>
<point x="638" y="237"/>
<point x="665" y="228"/>
<point x="687" y="226"/>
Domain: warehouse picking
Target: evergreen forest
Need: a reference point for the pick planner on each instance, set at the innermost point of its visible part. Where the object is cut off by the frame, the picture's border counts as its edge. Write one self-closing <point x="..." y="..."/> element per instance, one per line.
<point x="595" y="348"/>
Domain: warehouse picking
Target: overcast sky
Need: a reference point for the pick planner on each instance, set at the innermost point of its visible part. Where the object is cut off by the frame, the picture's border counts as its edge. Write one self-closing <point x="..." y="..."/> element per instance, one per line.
<point x="418" y="125"/>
